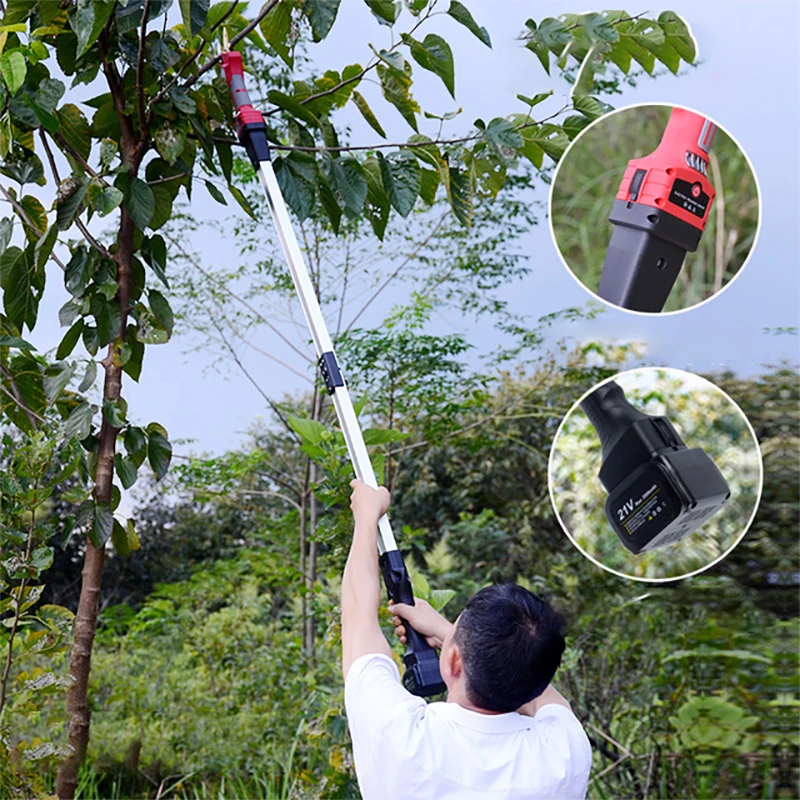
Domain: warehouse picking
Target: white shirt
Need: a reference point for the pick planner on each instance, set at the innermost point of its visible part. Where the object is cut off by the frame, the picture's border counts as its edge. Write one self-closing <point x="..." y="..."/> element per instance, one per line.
<point x="406" y="748"/>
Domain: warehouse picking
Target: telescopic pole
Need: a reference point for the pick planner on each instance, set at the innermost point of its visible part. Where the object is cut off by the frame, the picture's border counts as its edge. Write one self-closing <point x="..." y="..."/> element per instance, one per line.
<point x="422" y="676"/>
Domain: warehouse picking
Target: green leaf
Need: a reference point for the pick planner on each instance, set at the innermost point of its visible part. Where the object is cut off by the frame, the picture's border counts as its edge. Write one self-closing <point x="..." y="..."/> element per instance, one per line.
<point x="159" y="453"/>
<point x="6" y="229"/>
<point x="293" y="106"/>
<point x="109" y="320"/>
<point x="78" y="272"/>
<point x="296" y="175"/>
<point x="215" y="192"/>
<point x="383" y="436"/>
<point x="590" y="107"/>
<point x="163" y="200"/>
<point x="429" y="185"/>
<point x="194" y="13"/>
<point x="74" y="127"/>
<point x="14" y="70"/>
<point x="55" y="379"/>
<point x="396" y="87"/>
<point x="276" y="28"/>
<point x="366" y="112"/>
<point x="170" y="143"/>
<point x="88" y="377"/>
<point x="308" y="430"/>
<point x="434" y="54"/>
<point x="22" y="284"/>
<point x="82" y="23"/>
<point x="44" y="247"/>
<point x="42" y="559"/>
<point x="458" y="183"/>
<point x="69" y="200"/>
<point x="503" y="138"/>
<point x="104" y="199"/>
<point x="24" y="167"/>
<point x="35" y="213"/>
<point x="135" y="442"/>
<point x="242" y="201"/>
<point x="401" y="179"/>
<point x="126" y="470"/>
<point x="79" y="422"/>
<point x="599" y="29"/>
<point x="102" y="525"/>
<point x="71" y="337"/>
<point x="348" y="182"/>
<point x="378" y="205"/>
<point x="321" y="15"/>
<point x="385" y="11"/>
<point x="553" y="34"/>
<point x="460" y="14"/>
<point x="439" y="598"/>
<point x="162" y="311"/>
<point x="536" y="99"/>
<point x="113" y="413"/>
<point x="140" y="202"/>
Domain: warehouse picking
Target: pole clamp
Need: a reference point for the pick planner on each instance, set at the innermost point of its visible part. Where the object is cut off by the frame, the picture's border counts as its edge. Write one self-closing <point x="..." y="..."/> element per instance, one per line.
<point x="331" y="373"/>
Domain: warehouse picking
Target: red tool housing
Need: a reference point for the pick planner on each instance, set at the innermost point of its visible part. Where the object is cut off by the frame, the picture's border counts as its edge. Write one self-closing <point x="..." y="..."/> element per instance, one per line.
<point x="673" y="178"/>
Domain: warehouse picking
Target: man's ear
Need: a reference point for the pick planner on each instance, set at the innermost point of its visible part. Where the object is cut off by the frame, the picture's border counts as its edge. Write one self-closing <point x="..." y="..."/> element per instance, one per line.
<point x="455" y="664"/>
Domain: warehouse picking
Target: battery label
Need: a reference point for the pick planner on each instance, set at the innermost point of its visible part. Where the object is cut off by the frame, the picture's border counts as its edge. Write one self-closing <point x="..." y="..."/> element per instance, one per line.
<point x="638" y="511"/>
<point x="689" y="196"/>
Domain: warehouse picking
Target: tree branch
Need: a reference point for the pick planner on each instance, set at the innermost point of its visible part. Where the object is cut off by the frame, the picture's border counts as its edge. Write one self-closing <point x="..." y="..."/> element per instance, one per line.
<point x="78" y="222"/>
<point x="397" y="271"/>
<point x="265" y="9"/>
<point x="27" y="221"/>
<point x="143" y="126"/>
<point x="193" y="57"/>
<point x="193" y="261"/>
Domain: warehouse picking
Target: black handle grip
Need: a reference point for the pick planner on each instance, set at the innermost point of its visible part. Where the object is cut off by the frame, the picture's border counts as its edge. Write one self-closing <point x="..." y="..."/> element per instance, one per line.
<point x="610" y="413"/>
<point x="422" y="676"/>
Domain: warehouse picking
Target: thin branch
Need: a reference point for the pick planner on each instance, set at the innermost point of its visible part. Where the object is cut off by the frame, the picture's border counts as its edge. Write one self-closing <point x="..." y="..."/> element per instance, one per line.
<point x="265" y="9"/>
<point x="244" y="302"/>
<point x="193" y="57"/>
<point x="78" y="222"/>
<point x="385" y="145"/>
<point x="355" y="78"/>
<point x="168" y="178"/>
<point x="268" y="400"/>
<point x="391" y="277"/>
<point x="27" y="221"/>
<point x="140" y="71"/>
<point x="16" y="396"/>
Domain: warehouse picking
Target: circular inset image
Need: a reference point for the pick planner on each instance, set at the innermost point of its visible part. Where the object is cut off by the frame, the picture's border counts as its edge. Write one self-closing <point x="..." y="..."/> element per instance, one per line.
<point x="655" y="474"/>
<point x="653" y="208"/>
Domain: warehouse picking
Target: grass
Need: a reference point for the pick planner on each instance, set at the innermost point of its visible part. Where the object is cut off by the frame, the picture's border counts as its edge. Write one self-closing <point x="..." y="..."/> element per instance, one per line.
<point x="589" y="178"/>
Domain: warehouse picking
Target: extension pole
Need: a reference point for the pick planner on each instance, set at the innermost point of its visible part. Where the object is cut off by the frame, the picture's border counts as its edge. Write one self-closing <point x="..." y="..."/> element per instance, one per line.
<point x="422" y="676"/>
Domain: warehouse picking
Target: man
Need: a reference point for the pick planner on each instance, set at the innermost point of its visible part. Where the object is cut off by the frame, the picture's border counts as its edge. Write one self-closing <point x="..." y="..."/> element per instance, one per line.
<point x="504" y="731"/>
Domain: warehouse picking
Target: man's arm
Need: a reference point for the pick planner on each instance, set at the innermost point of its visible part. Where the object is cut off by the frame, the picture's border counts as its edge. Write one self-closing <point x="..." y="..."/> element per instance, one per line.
<point x="361" y="586"/>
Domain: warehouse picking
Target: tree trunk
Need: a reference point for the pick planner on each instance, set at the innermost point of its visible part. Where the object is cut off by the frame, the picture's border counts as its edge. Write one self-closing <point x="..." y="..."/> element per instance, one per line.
<point x="132" y="152"/>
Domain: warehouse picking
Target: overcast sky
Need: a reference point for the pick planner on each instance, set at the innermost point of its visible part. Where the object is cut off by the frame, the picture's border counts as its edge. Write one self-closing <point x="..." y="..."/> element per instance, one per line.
<point x="747" y="82"/>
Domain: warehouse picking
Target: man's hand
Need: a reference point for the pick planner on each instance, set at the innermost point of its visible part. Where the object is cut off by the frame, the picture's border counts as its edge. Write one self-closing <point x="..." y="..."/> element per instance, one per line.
<point x="368" y="504"/>
<point x="423" y="618"/>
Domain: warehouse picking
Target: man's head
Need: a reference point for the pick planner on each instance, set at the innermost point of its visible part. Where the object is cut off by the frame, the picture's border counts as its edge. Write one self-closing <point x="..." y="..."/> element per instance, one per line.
<point x="505" y="649"/>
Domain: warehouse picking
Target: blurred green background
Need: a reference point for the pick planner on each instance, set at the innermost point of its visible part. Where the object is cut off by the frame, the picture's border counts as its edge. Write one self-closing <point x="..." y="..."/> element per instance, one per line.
<point x="705" y="418"/>
<point x="588" y="180"/>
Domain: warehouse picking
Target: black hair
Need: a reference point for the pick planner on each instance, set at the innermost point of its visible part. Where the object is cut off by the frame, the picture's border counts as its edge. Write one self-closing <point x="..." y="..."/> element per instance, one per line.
<point x="511" y="643"/>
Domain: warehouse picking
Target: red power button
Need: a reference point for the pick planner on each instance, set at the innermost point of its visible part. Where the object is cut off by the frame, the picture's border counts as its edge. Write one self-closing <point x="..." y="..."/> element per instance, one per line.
<point x="696" y="190"/>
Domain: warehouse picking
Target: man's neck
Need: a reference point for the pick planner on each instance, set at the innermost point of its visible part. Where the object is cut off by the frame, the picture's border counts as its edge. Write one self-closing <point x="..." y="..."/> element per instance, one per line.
<point x="458" y="696"/>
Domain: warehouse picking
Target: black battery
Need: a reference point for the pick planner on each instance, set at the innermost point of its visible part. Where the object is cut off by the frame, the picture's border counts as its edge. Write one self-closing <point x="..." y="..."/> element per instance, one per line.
<point x="659" y="490"/>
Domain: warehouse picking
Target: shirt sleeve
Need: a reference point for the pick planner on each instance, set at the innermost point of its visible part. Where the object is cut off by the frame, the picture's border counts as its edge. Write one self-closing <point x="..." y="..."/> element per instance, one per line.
<point x="379" y="709"/>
